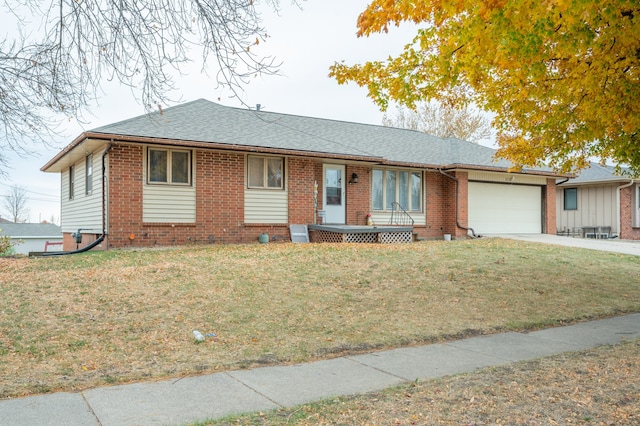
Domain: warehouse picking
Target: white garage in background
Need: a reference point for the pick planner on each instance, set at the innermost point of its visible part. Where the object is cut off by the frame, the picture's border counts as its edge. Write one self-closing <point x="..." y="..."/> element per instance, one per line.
<point x="499" y="208"/>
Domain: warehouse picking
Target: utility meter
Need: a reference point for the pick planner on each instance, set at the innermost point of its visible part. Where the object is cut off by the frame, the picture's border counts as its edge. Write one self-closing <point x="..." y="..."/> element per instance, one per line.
<point x="77" y="236"/>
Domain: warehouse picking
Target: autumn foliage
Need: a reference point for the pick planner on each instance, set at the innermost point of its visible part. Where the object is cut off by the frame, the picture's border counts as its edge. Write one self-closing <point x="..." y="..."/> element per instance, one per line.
<point x="562" y="77"/>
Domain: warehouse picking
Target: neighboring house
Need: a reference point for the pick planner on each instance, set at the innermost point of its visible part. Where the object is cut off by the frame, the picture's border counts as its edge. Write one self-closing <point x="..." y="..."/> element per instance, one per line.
<point x="202" y="172"/>
<point x="28" y="237"/>
<point x="598" y="197"/>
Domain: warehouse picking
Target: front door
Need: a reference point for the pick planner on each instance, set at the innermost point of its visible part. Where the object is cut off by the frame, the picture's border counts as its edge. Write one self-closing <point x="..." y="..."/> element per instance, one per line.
<point x="333" y="195"/>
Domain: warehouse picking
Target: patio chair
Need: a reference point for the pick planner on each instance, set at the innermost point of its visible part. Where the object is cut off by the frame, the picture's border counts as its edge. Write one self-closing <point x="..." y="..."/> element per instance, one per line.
<point x="604" y="232"/>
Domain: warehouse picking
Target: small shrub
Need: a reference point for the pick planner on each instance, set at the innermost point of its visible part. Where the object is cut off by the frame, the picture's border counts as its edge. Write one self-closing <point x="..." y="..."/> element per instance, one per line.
<point x="6" y="246"/>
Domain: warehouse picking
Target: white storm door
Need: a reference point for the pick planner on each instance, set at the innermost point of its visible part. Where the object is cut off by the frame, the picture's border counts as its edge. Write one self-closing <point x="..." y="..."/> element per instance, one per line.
<point x="333" y="193"/>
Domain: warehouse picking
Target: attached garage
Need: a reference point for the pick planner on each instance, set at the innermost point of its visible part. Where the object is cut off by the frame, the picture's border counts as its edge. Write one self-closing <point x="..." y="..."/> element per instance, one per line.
<point x="498" y="208"/>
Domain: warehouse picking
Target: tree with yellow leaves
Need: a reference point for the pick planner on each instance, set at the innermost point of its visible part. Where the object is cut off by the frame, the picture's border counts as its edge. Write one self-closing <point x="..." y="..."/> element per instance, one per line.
<point x="562" y="77"/>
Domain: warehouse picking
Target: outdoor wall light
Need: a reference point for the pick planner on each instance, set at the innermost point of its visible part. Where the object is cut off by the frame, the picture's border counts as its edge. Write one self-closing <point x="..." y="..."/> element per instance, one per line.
<point x="354" y="178"/>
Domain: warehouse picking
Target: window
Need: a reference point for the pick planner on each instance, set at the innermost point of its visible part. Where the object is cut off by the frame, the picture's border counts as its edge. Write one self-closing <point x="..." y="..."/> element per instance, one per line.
<point x="571" y="198"/>
<point x="169" y="166"/>
<point x="88" y="171"/>
<point x="400" y="186"/>
<point x="265" y="172"/>
<point x="71" y="181"/>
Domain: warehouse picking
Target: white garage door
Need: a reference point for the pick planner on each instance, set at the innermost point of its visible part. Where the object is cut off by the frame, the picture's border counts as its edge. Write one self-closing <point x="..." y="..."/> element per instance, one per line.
<point x="505" y="209"/>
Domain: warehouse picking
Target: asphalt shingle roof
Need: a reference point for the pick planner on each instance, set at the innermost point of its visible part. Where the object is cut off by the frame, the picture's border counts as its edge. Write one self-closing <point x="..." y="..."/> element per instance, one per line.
<point x="208" y="122"/>
<point x="30" y="230"/>
<point x="597" y="173"/>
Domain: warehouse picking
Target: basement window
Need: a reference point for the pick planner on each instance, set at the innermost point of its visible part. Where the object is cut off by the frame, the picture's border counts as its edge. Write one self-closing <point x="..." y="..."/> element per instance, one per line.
<point x="169" y="166"/>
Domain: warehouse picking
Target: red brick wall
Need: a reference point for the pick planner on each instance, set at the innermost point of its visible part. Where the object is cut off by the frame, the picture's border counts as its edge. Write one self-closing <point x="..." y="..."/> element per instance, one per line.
<point x="220" y="184"/>
<point x="358" y="195"/>
<point x="550" y="207"/>
<point x="219" y="181"/>
<point x="69" y="242"/>
<point x="463" y="203"/>
<point x="125" y="194"/>
<point x="441" y="205"/>
<point x="627" y="231"/>
<point x="220" y="198"/>
<point x="301" y="175"/>
<point x="438" y="205"/>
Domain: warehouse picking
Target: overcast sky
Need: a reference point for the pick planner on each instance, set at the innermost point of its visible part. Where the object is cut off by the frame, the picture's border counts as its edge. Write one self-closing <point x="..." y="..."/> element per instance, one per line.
<point x="307" y="41"/>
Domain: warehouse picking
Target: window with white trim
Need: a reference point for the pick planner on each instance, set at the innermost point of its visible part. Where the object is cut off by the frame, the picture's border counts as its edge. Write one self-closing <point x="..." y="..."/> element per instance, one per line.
<point x="88" y="174"/>
<point x="169" y="166"/>
<point x="571" y="198"/>
<point x="265" y="172"/>
<point x="72" y="181"/>
<point x="401" y="186"/>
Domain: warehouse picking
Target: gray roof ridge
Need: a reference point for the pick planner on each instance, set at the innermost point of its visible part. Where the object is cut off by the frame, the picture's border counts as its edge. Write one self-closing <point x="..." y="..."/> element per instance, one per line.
<point x="600" y="166"/>
<point x="319" y="119"/>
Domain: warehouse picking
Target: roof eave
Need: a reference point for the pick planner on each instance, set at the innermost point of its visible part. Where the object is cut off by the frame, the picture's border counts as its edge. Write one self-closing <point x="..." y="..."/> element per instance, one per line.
<point x="618" y="180"/>
<point x="115" y="138"/>
<point x="75" y="143"/>
<point x="536" y="172"/>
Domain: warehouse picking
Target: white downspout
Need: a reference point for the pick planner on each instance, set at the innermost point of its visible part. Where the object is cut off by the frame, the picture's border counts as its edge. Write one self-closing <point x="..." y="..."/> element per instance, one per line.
<point x="619" y="213"/>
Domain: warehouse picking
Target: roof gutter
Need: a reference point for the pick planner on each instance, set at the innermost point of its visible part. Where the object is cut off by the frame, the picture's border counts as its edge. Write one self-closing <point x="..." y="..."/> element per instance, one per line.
<point x="473" y="233"/>
<point x="225" y="147"/>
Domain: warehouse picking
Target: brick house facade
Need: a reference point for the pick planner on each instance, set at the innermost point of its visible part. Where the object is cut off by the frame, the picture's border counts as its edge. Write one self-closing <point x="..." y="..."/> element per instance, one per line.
<point x="218" y="205"/>
<point x="220" y="191"/>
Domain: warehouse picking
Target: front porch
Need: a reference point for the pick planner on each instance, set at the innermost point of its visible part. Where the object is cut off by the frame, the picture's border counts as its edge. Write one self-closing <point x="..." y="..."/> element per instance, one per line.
<point x="360" y="234"/>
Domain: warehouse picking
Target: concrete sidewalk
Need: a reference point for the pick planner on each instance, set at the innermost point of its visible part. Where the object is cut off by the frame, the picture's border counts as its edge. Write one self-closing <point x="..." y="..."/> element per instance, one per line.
<point x="179" y="401"/>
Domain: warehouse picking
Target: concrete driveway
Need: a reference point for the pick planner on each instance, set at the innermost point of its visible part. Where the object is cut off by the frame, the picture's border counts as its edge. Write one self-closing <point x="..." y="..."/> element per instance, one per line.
<point x="611" y="245"/>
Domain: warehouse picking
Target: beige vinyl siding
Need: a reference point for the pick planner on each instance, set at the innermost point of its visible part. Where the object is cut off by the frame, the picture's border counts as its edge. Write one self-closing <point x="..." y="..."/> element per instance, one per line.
<point x="84" y="210"/>
<point x="168" y="203"/>
<point x="383" y="218"/>
<point x="264" y="206"/>
<point x="516" y="178"/>
<point x="596" y="206"/>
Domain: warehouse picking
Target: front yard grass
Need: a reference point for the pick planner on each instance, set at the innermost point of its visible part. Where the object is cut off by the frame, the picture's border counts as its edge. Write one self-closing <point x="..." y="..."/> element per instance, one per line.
<point x="600" y="386"/>
<point x="74" y="322"/>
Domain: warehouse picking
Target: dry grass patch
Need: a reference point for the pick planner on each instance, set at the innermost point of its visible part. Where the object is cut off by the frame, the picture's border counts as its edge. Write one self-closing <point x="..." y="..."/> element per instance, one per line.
<point x="595" y="387"/>
<point x="69" y="323"/>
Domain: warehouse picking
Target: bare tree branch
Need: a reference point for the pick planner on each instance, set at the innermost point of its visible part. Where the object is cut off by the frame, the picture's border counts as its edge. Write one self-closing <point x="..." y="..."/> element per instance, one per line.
<point x="15" y="203"/>
<point x="57" y="62"/>
<point x="442" y="120"/>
